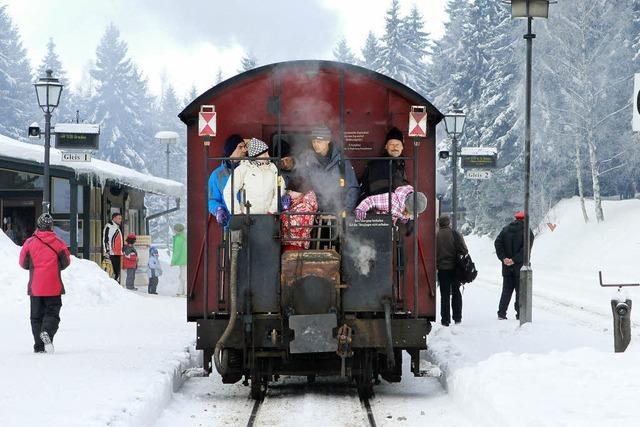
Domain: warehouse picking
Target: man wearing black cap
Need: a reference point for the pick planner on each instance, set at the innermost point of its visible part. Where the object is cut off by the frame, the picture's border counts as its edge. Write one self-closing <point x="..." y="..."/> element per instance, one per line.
<point x="509" y="249"/>
<point x="234" y="146"/>
<point x="375" y="179"/>
<point x="322" y="173"/>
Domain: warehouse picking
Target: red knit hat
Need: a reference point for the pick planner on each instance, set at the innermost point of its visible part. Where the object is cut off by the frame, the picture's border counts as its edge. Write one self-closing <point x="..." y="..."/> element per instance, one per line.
<point x="131" y="238"/>
<point x="519" y="215"/>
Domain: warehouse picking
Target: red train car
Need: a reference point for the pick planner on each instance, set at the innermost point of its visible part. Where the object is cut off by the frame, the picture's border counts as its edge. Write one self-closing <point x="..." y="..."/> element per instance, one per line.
<point x="261" y="313"/>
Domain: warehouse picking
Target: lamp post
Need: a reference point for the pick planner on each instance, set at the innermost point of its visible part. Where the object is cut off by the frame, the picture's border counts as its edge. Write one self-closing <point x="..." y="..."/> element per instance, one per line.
<point x="48" y="90"/>
<point x="169" y="138"/>
<point x="441" y="189"/>
<point x="454" y="124"/>
<point x="527" y="9"/>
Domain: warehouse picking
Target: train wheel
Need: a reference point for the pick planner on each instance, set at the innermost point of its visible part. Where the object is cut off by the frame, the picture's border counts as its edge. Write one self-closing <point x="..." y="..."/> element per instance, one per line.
<point x="364" y="378"/>
<point x="259" y="384"/>
<point x="207" y="361"/>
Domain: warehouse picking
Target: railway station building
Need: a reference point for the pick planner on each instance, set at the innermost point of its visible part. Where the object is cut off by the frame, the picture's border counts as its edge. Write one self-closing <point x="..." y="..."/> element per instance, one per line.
<point x="83" y="196"/>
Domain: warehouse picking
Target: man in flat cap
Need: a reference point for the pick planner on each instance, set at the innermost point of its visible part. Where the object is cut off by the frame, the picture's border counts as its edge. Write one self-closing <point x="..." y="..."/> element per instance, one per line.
<point x="322" y="173"/>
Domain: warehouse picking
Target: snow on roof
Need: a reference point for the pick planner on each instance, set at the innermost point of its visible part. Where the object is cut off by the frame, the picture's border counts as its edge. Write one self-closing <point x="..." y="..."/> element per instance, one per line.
<point x="77" y="128"/>
<point x="100" y="169"/>
<point x="478" y="151"/>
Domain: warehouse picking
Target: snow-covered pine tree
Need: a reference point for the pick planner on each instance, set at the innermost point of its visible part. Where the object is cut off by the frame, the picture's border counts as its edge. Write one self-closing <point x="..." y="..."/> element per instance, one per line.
<point x="18" y="105"/>
<point x="121" y="104"/>
<point x="65" y="113"/>
<point x="393" y="61"/>
<point x="452" y="71"/>
<point x="219" y="76"/>
<point x="371" y="52"/>
<point x="342" y="53"/>
<point x="492" y="115"/>
<point x="248" y="62"/>
<point x="167" y="120"/>
<point x="591" y="57"/>
<point x="417" y="48"/>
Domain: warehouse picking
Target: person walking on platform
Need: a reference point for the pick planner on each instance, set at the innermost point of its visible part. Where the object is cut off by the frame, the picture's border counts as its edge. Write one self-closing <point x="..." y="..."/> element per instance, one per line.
<point x="112" y="244"/>
<point x="449" y="244"/>
<point x="45" y="255"/>
<point x="179" y="256"/>
<point x="130" y="261"/>
<point x="509" y="249"/>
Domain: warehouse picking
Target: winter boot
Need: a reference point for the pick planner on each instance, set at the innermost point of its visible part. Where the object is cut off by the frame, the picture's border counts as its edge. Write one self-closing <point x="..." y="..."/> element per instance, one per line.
<point x="48" y="345"/>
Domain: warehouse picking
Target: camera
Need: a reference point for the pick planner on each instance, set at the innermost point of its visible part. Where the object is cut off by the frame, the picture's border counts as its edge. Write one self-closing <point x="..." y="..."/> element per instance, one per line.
<point x="34" y="130"/>
<point x="622" y="309"/>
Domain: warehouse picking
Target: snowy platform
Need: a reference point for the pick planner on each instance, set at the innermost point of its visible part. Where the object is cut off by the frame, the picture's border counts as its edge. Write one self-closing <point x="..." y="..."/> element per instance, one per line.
<point x="561" y="369"/>
<point x="119" y="354"/>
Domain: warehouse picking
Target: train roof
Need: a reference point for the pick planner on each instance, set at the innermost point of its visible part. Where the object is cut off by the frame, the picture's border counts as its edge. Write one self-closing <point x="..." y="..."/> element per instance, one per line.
<point x="189" y="114"/>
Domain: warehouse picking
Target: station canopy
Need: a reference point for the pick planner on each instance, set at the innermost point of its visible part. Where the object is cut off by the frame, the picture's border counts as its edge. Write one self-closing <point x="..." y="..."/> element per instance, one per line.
<point x="99" y="169"/>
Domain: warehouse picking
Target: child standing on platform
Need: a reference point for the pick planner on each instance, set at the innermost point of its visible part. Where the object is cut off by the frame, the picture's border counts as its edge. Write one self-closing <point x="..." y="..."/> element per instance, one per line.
<point x="153" y="271"/>
<point x="130" y="261"/>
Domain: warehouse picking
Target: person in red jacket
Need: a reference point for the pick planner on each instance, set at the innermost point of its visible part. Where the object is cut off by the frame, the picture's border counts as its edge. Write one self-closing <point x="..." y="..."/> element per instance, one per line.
<point x="45" y="255"/>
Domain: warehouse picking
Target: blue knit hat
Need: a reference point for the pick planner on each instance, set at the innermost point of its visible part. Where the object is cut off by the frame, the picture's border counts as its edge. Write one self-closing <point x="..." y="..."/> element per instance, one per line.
<point x="231" y="144"/>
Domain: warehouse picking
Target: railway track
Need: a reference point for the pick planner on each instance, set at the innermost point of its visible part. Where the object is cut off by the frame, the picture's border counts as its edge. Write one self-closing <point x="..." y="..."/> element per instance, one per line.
<point x="338" y="404"/>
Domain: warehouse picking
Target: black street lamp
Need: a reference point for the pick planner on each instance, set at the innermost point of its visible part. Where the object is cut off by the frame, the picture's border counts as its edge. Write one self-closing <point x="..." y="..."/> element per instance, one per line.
<point x="454" y="124"/>
<point x="168" y="138"/>
<point x="48" y="90"/>
<point x="527" y="9"/>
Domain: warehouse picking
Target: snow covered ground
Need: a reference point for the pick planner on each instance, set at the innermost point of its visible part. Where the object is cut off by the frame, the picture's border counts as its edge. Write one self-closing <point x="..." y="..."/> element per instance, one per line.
<point x="117" y="352"/>
<point x="561" y="369"/>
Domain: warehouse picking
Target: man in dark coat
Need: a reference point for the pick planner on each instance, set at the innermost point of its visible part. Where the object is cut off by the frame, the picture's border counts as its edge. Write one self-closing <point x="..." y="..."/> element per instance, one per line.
<point x="45" y="255"/>
<point x="449" y="243"/>
<point x="509" y="249"/>
<point x="375" y="178"/>
<point x="321" y="172"/>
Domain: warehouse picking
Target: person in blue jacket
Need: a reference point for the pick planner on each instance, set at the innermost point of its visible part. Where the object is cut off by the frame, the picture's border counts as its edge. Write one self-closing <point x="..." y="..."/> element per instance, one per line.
<point x="234" y="146"/>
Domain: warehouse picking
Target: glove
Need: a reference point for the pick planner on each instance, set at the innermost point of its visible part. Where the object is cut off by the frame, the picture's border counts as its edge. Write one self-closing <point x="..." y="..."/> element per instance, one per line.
<point x="222" y="216"/>
<point x="285" y="202"/>
<point x="360" y="214"/>
<point x="409" y="227"/>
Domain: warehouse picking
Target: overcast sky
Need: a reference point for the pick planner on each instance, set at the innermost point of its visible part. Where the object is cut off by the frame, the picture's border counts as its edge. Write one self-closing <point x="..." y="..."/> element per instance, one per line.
<point x="188" y="40"/>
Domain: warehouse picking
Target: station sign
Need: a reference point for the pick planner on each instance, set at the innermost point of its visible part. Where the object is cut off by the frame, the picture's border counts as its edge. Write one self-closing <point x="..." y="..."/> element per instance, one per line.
<point x="76" y="157"/>
<point x="479" y="157"/>
<point x="418" y="121"/>
<point x="477" y="174"/>
<point x="77" y="136"/>
<point x="207" y="121"/>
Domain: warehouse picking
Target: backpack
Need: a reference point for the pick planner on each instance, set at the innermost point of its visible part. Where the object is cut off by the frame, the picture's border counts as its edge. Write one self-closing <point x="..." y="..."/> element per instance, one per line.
<point x="465" y="268"/>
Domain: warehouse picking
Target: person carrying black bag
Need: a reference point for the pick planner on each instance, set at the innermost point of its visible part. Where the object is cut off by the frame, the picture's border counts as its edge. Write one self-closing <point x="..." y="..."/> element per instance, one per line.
<point x="449" y="244"/>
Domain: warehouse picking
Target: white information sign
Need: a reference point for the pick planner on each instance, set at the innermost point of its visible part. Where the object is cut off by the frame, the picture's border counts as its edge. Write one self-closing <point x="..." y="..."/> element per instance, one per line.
<point x="207" y="121"/>
<point x="418" y="122"/>
<point x="76" y="157"/>
<point x="636" y="103"/>
<point x="477" y="174"/>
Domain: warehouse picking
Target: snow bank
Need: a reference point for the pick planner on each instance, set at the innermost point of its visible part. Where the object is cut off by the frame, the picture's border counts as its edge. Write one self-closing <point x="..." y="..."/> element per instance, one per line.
<point x="84" y="281"/>
<point x="99" y="168"/>
<point x="561" y="369"/>
<point x="119" y="354"/>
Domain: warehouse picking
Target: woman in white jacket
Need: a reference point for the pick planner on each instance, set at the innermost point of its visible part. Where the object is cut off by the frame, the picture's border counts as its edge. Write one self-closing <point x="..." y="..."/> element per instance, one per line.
<point x="254" y="180"/>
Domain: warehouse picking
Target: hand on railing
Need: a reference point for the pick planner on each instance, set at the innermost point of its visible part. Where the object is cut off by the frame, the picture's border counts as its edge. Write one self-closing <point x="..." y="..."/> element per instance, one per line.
<point x="222" y="216"/>
<point x="285" y="202"/>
